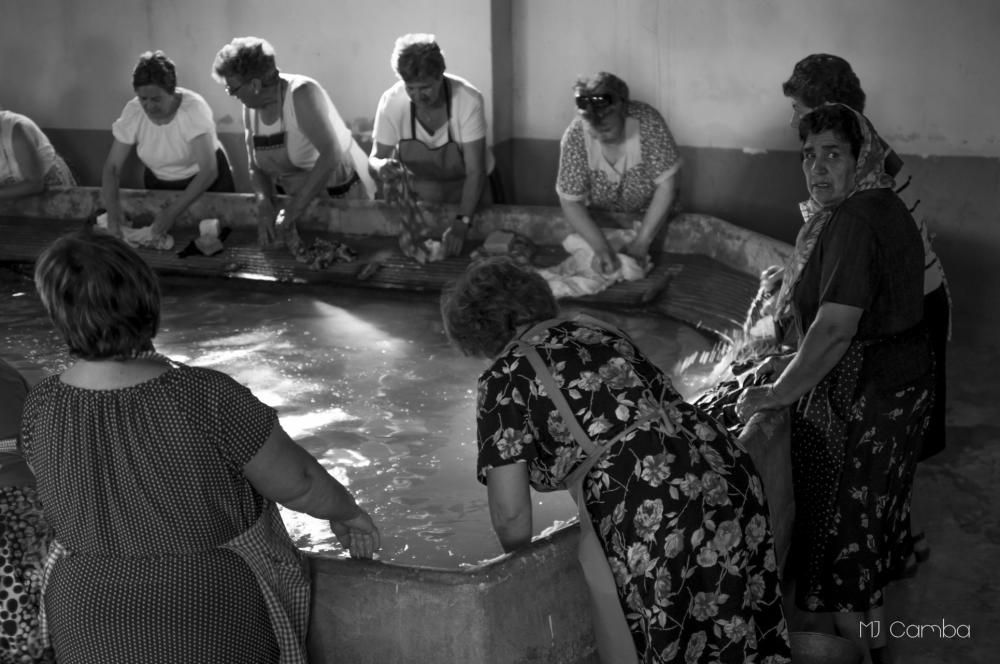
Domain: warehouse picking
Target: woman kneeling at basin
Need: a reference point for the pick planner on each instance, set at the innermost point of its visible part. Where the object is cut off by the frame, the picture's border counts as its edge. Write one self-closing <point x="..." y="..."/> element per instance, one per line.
<point x="617" y="155"/>
<point x="160" y="481"/>
<point x="173" y="133"/>
<point x="676" y="542"/>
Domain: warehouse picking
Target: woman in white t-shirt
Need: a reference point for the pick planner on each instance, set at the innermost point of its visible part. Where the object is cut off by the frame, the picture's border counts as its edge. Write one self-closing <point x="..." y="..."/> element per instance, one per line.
<point x="28" y="162"/>
<point x="173" y="132"/>
<point x="431" y="127"/>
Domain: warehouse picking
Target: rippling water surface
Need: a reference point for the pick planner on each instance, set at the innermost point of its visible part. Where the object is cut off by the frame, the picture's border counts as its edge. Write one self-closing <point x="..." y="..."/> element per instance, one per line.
<point x="363" y="379"/>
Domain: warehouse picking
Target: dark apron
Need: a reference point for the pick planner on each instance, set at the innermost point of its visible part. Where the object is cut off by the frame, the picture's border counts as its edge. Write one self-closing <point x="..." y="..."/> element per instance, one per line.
<point x="615" y="644"/>
<point x="437" y="175"/>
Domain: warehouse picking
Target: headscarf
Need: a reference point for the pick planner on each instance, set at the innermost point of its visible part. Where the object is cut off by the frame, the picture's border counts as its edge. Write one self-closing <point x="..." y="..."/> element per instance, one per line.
<point x="869" y="173"/>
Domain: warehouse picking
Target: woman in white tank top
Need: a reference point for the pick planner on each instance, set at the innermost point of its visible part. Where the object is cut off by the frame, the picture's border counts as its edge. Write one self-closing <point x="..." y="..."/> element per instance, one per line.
<point x="297" y="143"/>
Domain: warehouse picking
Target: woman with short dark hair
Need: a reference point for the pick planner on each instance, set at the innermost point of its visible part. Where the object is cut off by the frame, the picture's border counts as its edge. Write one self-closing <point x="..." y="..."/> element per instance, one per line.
<point x="675" y="532"/>
<point x="160" y="482"/>
<point x="430" y="127"/>
<point x="173" y="132"/>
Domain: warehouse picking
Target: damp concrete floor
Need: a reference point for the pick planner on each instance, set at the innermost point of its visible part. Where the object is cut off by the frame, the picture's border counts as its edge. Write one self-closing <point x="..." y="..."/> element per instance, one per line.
<point x="949" y="613"/>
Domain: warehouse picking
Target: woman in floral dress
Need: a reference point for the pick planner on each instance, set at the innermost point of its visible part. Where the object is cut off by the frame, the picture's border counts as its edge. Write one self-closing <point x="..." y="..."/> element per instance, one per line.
<point x="673" y="503"/>
<point x="617" y="155"/>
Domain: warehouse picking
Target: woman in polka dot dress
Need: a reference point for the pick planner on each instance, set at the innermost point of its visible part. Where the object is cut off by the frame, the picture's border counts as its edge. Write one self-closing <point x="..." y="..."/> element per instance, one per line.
<point x="860" y="382"/>
<point x="617" y="155"/>
<point x="159" y="481"/>
<point x="24" y="535"/>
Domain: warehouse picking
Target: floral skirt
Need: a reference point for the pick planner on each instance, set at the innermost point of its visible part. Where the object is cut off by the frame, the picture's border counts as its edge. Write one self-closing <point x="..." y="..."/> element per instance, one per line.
<point x="855" y="442"/>
<point x="681" y="515"/>
<point x="24" y="538"/>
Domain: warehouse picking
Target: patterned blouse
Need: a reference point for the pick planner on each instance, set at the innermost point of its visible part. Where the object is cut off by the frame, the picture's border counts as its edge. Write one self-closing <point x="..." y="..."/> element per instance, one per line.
<point x="651" y="157"/>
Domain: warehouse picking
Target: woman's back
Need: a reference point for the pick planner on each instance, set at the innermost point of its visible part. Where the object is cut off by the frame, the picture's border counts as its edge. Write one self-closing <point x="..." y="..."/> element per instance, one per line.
<point x="153" y="468"/>
<point x="142" y="486"/>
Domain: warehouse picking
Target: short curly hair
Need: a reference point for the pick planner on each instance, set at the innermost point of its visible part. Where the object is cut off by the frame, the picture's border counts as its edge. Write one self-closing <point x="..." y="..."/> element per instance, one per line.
<point x="155" y="68"/>
<point x="484" y="307"/>
<point x="245" y="57"/>
<point x="100" y="294"/>
<point x="417" y="55"/>
<point x="602" y="80"/>
<point x="822" y="78"/>
<point x="836" y="118"/>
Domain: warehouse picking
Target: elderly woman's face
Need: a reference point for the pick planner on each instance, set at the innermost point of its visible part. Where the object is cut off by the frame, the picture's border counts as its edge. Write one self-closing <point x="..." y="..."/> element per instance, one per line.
<point x="158" y="104"/>
<point x="604" y="114"/>
<point x="829" y="167"/>
<point x="426" y="91"/>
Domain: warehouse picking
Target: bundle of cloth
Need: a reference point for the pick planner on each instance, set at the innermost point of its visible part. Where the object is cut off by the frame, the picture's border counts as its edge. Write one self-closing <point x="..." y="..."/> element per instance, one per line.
<point x="575" y="276"/>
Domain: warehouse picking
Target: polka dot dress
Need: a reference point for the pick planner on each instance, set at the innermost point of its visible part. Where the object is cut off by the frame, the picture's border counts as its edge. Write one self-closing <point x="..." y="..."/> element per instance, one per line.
<point x="24" y="539"/>
<point x="141" y="485"/>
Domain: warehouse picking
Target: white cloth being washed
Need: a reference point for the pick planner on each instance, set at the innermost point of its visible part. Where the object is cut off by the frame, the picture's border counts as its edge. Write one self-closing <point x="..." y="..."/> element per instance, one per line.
<point x="575" y="276"/>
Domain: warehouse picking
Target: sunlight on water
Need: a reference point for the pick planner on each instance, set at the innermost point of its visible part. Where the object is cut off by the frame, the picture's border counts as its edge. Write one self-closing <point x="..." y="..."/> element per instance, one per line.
<point x="367" y="382"/>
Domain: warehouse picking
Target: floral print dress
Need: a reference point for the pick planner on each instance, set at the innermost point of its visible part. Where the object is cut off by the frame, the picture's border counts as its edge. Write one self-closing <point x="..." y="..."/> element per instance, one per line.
<point x="677" y="504"/>
<point x="652" y="158"/>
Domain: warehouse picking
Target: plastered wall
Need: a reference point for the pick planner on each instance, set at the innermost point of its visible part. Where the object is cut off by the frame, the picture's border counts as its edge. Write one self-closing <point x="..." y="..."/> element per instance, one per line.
<point x="713" y="67"/>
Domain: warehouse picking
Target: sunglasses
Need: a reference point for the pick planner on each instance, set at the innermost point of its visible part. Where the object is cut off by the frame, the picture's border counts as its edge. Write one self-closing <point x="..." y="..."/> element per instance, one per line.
<point x="594" y="102"/>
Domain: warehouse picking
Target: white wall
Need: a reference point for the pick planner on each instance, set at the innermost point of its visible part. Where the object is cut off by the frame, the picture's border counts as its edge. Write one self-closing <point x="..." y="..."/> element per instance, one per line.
<point x="68" y="63"/>
<point x="715" y="67"/>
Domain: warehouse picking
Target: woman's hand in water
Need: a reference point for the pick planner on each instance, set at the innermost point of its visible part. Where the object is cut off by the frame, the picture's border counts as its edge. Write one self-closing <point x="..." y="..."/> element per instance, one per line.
<point x="265" y="222"/>
<point x="358" y="535"/>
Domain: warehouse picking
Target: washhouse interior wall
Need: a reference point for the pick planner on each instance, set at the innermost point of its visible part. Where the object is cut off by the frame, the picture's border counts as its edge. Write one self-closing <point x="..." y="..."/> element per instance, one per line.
<point x="69" y="67"/>
<point x="714" y="68"/>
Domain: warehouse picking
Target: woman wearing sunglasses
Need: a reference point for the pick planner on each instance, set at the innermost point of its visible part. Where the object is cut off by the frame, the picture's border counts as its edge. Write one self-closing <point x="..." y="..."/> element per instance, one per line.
<point x="617" y="155"/>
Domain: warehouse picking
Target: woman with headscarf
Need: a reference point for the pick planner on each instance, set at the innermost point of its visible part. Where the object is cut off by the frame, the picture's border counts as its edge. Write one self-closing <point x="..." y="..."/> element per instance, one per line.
<point x="822" y="78"/>
<point x="860" y="383"/>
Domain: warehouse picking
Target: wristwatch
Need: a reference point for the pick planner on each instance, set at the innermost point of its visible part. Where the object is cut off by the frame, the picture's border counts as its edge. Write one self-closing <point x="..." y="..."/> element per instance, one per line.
<point x="465" y="219"/>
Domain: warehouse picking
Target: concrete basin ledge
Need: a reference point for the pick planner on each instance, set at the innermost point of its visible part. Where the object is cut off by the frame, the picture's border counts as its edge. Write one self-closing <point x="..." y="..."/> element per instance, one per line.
<point x="731" y="245"/>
